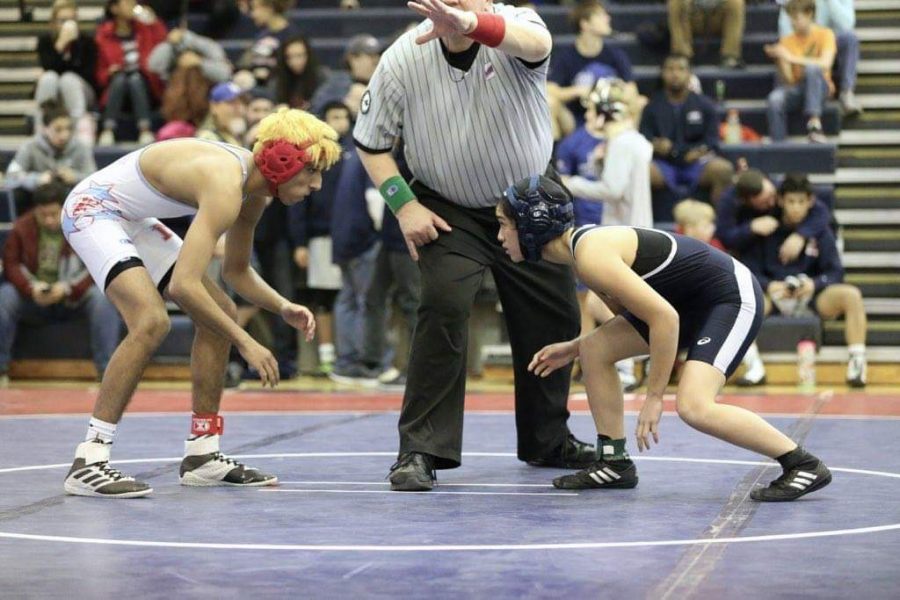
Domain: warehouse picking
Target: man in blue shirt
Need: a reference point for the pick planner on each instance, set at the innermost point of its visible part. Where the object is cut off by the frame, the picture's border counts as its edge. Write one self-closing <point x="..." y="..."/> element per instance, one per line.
<point x="684" y="130"/>
<point x="575" y="69"/>
<point x="814" y="279"/>
<point x="748" y="211"/>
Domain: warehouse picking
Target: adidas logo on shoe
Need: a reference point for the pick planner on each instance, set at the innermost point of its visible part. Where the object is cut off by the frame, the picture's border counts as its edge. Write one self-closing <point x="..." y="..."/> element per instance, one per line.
<point x="601" y="474"/>
<point x="91" y="475"/>
<point x="793" y="484"/>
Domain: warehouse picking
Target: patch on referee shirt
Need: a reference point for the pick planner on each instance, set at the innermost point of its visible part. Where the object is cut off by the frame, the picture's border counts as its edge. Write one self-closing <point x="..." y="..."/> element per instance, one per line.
<point x="365" y="103"/>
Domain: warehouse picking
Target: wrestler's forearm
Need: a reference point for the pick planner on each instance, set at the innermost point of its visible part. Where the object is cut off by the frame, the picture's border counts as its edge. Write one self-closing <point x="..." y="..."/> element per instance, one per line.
<point x="195" y="300"/>
<point x="254" y="289"/>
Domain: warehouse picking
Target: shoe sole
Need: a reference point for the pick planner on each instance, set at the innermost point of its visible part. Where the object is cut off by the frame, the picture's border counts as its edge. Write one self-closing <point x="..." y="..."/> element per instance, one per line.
<point x="626" y="485"/>
<point x="411" y="484"/>
<point x="77" y="490"/>
<point x="816" y="486"/>
<point x="191" y="480"/>
<point x="562" y="465"/>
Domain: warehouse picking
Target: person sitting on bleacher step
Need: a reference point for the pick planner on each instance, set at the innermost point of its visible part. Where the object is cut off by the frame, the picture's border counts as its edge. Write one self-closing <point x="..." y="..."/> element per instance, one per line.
<point x="840" y="17"/>
<point x="67" y="57"/>
<point x="683" y="127"/>
<point x="124" y="41"/>
<point x="804" y="60"/>
<point x="749" y="212"/>
<point x="52" y="154"/>
<point x="46" y="281"/>
<point x="813" y="281"/>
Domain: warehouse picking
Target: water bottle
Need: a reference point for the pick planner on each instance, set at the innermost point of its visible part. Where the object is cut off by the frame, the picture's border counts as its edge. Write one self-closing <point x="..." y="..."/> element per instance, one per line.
<point x="806" y="365"/>
<point x="733" y="127"/>
<point x="720" y="90"/>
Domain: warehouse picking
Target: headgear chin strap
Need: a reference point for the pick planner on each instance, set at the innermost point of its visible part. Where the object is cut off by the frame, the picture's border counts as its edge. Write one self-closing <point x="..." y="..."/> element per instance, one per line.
<point x="279" y="161"/>
<point x="543" y="211"/>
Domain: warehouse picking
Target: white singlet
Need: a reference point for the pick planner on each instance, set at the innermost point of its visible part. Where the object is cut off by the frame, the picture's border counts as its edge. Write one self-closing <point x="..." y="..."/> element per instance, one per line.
<point x="114" y="216"/>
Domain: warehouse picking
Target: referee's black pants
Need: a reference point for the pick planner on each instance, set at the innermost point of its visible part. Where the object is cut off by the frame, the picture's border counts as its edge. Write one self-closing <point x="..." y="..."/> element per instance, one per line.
<point x="540" y="307"/>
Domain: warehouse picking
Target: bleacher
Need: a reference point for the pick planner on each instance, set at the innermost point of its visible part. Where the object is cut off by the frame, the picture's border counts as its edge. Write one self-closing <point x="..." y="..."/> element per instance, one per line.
<point x="859" y="168"/>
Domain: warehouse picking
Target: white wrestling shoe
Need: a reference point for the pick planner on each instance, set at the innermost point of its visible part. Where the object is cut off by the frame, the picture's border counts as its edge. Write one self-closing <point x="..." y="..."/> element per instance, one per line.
<point x="204" y="466"/>
<point x="91" y="475"/>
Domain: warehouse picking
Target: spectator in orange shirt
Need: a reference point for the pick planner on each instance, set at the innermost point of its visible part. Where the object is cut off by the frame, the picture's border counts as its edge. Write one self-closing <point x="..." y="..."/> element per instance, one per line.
<point x="804" y="60"/>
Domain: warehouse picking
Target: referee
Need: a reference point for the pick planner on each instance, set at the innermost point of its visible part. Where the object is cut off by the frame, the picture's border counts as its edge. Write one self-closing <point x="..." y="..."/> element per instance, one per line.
<point x="466" y="89"/>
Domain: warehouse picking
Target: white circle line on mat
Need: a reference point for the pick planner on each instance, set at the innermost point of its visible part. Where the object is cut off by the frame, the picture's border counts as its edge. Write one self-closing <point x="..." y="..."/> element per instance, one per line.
<point x="450" y="547"/>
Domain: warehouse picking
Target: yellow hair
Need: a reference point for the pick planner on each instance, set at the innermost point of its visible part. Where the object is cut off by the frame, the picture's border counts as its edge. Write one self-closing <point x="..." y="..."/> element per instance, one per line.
<point x="301" y="128"/>
<point x="691" y="212"/>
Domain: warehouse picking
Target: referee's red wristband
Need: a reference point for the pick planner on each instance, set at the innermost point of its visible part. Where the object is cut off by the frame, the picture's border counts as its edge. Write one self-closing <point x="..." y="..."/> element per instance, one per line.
<point x="490" y="31"/>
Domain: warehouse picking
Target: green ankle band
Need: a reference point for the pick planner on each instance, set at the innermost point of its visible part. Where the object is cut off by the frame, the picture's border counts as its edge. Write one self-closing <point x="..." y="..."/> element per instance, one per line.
<point x="610" y="449"/>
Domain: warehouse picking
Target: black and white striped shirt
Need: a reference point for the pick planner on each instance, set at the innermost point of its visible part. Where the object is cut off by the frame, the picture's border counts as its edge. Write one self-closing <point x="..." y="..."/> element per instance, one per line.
<point x="468" y="134"/>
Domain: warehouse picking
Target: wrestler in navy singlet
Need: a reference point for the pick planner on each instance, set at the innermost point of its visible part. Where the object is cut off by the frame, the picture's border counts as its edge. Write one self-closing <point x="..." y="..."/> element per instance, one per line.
<point x="719" y="302"/>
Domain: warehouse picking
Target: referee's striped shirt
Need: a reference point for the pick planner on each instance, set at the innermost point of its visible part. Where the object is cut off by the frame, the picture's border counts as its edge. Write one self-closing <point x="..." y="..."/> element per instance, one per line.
<point x="468" y="134"/>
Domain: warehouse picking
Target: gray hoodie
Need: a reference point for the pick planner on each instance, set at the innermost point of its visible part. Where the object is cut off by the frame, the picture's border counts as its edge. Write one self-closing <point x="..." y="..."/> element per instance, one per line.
<point x="36" y="156"/>
<point x="214" y="65"/>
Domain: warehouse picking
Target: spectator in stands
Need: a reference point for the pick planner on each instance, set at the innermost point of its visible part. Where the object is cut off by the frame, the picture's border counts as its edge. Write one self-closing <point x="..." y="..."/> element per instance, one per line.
<point x="124" y="43"/>
<point x="362" y="56"/>
<point x="804" y="60"/>
<point x="225" y="122"/>
<point x="68" y="58"/>
<point x="396" y="287"/>
<point x="46" y="281"/>
<point x="53" y="154"/>
<point x="616" y="173"/>
<point x="309" y="226"/>
<point x="725" y="17"/>
<point x="814" y="279"/>
<point x="684" y="130"/>
<point x="260" y="60"/>
<point x="748" y="212"/>
<point x="355" y="220"/>
<point x="840" y="17"/>
<point x="260" y="104"/>
<point x="697" y="220"/>
<point x="298" y="74"/>
<point x="575" y="69"/>
<point x="184" y="49"/>
<point x="189" y="64"/>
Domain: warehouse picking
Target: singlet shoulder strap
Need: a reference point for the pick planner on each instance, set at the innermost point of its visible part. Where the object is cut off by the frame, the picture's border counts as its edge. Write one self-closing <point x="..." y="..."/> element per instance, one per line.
<point x="580" y="233"/>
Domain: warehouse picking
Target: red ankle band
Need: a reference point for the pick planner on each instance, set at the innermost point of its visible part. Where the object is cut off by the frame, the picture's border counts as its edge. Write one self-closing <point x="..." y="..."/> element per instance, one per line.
<point x="490" y="31"/>
<point x="207" y="424"/>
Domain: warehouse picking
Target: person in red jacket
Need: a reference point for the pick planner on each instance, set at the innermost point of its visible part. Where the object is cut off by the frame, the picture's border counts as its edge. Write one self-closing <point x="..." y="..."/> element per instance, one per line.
<point x="47" y="281"/>
<point x="124" y="42"/>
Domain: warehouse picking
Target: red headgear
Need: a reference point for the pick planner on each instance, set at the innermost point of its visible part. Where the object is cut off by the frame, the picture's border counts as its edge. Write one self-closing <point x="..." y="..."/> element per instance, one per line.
<point x="280" y="160"/>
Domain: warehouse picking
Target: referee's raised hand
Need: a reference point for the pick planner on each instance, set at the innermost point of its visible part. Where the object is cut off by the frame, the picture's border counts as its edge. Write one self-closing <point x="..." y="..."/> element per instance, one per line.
<point x="445" y="18"/>
<point x="419" y="226"/>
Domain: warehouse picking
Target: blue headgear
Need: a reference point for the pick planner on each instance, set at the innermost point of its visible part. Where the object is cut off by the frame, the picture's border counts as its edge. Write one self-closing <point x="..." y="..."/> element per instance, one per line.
<point x="543" y="211"/>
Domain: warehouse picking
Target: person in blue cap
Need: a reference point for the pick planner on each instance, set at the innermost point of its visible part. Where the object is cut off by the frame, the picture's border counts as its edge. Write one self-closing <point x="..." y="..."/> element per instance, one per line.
<point x="670" y="292"/>
<point x="225" y="121"/>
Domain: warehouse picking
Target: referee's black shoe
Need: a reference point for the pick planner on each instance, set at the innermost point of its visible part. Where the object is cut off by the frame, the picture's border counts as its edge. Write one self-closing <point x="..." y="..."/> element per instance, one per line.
<point x="794" y="483"/>
<point x="413" y="472"/>
<point x="573" y="454"/>
<point x="614" y="474"/>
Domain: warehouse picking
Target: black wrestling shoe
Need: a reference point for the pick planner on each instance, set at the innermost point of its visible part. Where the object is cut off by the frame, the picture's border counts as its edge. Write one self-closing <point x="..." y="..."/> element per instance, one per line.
<point x="797" y="482"/>
<point x="413" y="472"/>
<point x="614" y="474"/>
<point x="574" y="454"/>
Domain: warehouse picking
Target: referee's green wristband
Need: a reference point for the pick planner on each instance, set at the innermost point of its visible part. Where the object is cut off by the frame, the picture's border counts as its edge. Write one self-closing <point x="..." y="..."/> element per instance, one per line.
<point x="396" y="193"/>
